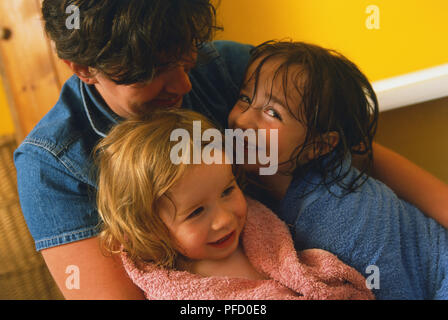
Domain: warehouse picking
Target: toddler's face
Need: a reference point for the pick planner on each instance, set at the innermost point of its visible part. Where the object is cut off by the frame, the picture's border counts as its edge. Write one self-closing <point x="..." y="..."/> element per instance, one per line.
<point x="270" y="109"/>
<point x="205" y="212"/>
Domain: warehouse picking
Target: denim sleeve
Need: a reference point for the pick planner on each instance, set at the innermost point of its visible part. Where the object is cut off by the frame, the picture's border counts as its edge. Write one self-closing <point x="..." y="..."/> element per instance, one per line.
<point x="236" y="57"/>
<point x="57" y="206"/>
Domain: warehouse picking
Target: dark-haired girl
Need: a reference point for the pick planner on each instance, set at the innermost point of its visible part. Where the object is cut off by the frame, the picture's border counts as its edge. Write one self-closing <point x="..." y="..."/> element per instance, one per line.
<point x="326" y="111"/>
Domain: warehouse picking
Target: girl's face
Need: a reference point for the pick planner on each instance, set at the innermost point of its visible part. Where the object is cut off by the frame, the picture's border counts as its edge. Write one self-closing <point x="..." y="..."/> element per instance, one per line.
<point x="205" y="212"/>
<point x="270" y="109"/>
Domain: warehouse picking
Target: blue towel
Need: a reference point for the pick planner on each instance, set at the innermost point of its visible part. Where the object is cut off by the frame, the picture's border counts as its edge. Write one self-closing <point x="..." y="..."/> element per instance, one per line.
<point x="402" y="253"/>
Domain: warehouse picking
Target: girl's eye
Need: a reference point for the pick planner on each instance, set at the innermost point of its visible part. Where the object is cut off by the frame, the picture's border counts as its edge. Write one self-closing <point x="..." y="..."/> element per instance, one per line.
<point x="244" y="98"/>
<point x="195" y="212"/>
<point x="228" y="191"/>
<point x="272" y="113"/>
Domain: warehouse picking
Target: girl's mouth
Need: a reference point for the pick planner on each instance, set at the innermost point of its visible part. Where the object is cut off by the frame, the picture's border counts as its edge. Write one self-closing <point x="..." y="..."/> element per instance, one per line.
<point x="224" y="241"/>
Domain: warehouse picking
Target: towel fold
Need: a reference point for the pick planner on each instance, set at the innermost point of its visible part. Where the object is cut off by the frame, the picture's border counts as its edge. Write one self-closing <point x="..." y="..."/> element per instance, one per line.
<point x="311" y="274"/>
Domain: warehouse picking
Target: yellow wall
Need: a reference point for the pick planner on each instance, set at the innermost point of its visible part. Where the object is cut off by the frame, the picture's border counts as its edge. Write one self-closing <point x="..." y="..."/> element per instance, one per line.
<point x="6" y="125"/>
<point x="412" y="33"/>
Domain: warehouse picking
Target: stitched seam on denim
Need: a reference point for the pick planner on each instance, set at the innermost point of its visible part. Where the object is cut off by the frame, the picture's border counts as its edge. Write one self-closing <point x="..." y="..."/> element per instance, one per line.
<point x="51" y="146"/>
<point x="65" y="163"/>
<point x="62" y="239"/>
<point x="87" y="111"/>
<point x="66" y="234"/>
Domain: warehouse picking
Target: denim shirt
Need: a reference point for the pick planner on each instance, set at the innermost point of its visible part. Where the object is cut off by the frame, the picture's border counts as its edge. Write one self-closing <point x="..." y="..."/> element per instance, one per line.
<point x="55" y="172"/>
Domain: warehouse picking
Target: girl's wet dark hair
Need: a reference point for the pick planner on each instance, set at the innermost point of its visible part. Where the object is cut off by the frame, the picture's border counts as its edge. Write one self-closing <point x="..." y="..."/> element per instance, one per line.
<point x="336" y="97"/>
<point x="129" y="40"/>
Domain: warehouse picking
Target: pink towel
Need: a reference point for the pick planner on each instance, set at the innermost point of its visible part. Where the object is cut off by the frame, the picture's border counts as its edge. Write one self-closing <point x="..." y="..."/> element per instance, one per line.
<point x="310" y="274"/>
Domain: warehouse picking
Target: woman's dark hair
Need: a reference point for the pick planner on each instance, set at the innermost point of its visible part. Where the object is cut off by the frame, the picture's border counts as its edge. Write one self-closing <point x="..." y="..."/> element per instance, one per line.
<point x="335" y="97"/>
<point x="127" y="40"/>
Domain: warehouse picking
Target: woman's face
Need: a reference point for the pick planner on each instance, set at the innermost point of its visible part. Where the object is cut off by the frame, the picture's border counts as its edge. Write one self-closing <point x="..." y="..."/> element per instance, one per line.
<point x="166" y="90"/>
<point x="205" y="212"/>
<point x="270" y="109"/>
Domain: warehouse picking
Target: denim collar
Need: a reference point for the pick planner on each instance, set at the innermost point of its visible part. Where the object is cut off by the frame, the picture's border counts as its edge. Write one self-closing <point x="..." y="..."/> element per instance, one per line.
<point x="101" y="118"/>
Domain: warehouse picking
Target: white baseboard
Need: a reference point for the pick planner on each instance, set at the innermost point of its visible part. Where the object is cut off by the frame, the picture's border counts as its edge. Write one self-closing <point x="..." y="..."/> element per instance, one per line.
<point x="412" y="88"/>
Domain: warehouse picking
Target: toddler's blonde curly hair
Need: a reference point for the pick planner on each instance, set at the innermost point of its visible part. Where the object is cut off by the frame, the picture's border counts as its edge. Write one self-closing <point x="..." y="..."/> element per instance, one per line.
<point x="134" y="172"/>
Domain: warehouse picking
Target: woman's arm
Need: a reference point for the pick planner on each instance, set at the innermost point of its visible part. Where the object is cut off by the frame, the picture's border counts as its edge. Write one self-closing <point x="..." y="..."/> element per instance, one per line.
<point x="100" y="277"/>
<point x="411" y="183"/>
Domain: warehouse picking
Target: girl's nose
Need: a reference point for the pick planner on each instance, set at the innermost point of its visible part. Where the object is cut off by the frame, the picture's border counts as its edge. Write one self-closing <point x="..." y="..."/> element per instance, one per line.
<point x="222" y="218"/>
<point x="244" y="118"/>
<point x="178" y="81"/>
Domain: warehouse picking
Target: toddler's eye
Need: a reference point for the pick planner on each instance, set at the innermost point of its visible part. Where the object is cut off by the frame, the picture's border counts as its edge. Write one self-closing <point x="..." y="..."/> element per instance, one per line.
<point x="195" y="212"/>
<point x="272" y="113"/>
<point x="228" y="191"/>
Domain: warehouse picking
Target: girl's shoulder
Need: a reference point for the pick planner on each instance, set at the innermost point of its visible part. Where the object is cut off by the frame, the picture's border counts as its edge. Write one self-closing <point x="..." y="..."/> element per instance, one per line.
<point x="310" y="194"/>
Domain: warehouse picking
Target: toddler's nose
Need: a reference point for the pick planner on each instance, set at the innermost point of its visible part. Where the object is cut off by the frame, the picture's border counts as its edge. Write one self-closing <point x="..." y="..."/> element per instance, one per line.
<point x="222" y="218"/>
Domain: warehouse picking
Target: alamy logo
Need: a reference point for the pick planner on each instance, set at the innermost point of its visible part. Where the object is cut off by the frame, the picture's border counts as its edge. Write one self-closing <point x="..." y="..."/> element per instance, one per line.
<point x="373" y="280"/>
<point x="72" y="21"/>
<point x="373" y="20"/>
<point x="249" y="142"/>
<point x="72" y="281"/>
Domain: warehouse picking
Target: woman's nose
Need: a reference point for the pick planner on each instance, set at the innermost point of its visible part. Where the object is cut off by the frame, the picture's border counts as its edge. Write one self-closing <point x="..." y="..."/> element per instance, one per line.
<point x="178" y="82"/>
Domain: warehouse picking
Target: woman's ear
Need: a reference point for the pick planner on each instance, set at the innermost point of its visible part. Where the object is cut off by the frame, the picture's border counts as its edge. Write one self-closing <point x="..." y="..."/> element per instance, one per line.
<point x="322" y="145"/>
<point x="84" y="73"/>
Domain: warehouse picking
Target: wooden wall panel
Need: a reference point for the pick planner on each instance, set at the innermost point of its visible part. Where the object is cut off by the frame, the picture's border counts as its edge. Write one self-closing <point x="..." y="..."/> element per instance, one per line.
<point x="32" y="74"/>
